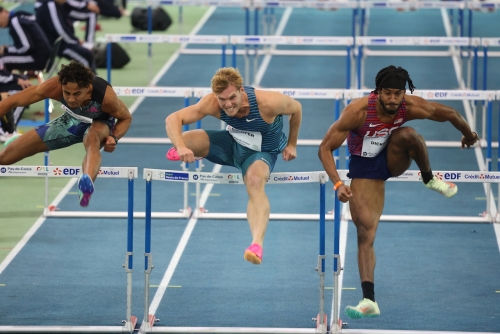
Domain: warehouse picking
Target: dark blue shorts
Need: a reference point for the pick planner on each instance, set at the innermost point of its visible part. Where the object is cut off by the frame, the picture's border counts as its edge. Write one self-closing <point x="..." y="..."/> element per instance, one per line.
<point x="369" y="168"/>
<point x="224" y="150"/>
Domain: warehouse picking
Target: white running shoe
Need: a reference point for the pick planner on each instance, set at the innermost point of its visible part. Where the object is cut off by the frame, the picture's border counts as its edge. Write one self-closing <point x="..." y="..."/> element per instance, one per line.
<point x="448" y="189"/>
<point x="365" y="309"/>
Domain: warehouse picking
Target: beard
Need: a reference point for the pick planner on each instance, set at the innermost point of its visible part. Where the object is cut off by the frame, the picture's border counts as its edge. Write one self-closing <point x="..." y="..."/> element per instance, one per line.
<point x="389" y="111"/>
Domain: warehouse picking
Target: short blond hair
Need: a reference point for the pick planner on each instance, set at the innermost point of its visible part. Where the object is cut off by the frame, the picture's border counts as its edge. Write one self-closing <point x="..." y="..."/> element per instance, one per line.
<point x="224" y="77"/>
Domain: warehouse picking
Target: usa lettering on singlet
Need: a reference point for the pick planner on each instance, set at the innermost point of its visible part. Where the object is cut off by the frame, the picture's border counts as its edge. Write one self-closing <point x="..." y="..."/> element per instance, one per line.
<point x="252" y="131"/>
<point x="371" y="138"/>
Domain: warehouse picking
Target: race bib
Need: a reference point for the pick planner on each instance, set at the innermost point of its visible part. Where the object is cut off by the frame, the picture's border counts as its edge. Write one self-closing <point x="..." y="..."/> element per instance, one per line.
<point x="373" y="146"/>
<point x="78" y="117"/>
<point x="250" y="139"/>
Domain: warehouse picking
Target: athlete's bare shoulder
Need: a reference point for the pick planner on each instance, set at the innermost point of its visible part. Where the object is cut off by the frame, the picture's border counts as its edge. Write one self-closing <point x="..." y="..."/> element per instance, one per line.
<point x="355" y="112"/>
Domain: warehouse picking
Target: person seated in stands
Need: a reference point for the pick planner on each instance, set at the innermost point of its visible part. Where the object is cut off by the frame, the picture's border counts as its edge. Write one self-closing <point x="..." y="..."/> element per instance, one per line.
<point x="31" y="48"/>
<point x="84" y="11"/>
<point x="11" y="84"/>
<point x="55" y="22"/>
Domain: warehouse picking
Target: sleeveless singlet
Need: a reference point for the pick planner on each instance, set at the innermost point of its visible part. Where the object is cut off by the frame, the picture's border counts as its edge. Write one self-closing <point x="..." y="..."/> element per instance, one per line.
<point x="371" y="138"/>
<point x="92" y="111"/>
<point x="252" y="131"/>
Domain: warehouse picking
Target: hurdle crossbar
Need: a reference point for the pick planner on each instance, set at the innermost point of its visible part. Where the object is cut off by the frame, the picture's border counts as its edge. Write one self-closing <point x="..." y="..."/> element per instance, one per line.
<point x="129" y="173"/>
<point x="226" y="178"/>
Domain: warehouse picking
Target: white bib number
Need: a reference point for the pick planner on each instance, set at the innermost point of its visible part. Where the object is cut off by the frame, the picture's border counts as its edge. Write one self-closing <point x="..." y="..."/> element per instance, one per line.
<point x="78" y="117"/>
<point x="373" y="146"/>
<point x="250" y="139"/>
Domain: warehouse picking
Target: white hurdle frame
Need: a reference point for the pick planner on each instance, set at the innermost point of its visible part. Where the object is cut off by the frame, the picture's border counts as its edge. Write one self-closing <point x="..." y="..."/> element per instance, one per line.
<point x="129" y="173"/>
<point x="227" y="178"/>
<point x="412" y="176"/>
<point x="335" y="94"/>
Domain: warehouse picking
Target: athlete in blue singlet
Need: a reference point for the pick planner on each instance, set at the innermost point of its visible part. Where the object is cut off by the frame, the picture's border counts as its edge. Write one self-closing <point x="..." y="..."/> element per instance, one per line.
<point x="381" y="149"/>
<point x="91" y="109"/>
<point x="251" y="142"/>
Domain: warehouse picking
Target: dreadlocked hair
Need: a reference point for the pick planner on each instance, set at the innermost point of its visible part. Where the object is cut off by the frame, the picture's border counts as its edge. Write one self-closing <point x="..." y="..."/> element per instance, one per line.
<point x="392" y="71"/>
<point x="76" y="72"/>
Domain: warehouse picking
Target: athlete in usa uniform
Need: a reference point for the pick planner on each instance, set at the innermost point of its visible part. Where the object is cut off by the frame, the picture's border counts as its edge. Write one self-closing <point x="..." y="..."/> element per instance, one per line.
<point x="381" y="148"/>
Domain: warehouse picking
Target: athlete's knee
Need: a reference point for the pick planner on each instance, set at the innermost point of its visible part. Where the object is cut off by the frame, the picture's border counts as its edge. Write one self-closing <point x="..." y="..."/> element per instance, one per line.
<point x="366" y="237"/>
<point x="255" y="180"/>
<point x="408" y="136"/>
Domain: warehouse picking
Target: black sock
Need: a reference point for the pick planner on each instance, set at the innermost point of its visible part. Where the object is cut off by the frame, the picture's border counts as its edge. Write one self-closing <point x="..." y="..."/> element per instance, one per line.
<point x="368" y="290"/>
<point x="427" y="176"/>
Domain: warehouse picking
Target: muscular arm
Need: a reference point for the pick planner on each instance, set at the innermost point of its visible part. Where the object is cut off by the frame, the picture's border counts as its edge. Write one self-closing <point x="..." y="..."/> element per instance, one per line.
<point x="115" y="107"/>
<point x="419" y="108"/>
<point x="49" y="89"/>
<point x="206" y="106"/>
<point x="351" y="118"/>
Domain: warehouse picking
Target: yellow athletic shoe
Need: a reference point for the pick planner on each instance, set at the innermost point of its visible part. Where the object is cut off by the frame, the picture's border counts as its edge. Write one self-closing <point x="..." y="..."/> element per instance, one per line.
<point x="365" y="309"/>
<point x="448" y="189"/>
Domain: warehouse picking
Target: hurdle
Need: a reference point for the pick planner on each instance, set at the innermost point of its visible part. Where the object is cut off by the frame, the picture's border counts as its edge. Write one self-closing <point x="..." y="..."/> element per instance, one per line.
<point x="412" y="176"/>
<point x="451" y="42"/>
<point x="224" y="178"/>
<point x="129" y="173"/>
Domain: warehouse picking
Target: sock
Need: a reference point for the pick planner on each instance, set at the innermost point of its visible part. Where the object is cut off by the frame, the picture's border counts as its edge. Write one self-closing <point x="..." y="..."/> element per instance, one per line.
<point x="368" y="290"/>
<point x="427" y="176"/>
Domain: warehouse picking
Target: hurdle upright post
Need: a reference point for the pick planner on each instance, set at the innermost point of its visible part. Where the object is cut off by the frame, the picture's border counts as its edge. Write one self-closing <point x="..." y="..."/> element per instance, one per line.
<point x="131" y="321"/>
<point x="149" y="319"/>
<point x="336" y="323"/>
<point x="321" y="322"/>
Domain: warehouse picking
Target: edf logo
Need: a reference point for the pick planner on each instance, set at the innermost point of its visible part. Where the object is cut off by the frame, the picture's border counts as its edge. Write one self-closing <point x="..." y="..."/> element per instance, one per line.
<point x="71" y="171"/>
<point x="137" y="90"/>
<point x="440" y="94"/>
<point x="289" y="92"/>
<point x="452" y="176"/>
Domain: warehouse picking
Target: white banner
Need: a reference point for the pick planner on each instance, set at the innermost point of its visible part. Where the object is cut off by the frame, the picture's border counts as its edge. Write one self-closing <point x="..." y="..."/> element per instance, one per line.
<point x="64" y="171"/>
<point x="452" y="176"/>
<point x="229" y="178"/>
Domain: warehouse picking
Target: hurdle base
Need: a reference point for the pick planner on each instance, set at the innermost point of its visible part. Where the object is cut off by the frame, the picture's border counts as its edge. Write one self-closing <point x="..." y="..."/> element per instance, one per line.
<point x="434" y="219"/>
<point x="129" y="326"/>
<point x="203" y="214"/>
<point x="233" y="330"/>
<point x="116" y="214"/>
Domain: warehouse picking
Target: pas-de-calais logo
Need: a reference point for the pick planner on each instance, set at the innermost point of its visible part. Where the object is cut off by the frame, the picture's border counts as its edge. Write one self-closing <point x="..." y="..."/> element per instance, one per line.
<point x="3" y="169"/>
<point x="57" y="171"/>
<point x="195" y="177"/>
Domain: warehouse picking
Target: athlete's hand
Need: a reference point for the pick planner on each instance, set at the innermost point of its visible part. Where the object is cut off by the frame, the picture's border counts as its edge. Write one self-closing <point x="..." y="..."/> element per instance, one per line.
<point x="110" y="144"/>
<point x="185" y="154"/>
<point x="469" y="141"/>
<point x="289" y="153"/>
<point x="344" y="193"/>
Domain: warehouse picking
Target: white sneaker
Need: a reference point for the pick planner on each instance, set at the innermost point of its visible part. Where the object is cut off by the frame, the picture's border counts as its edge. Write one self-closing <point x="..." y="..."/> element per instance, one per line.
<point x="4" y="136"/>
<point x="448" y="189"/>
<point x="365" y="309"/>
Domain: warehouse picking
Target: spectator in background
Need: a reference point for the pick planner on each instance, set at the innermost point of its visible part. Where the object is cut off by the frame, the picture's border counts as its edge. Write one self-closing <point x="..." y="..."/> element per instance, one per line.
<point x="55" y="22"/>
<point x="31" y="48"/>
<point x="85" y="11"/>
<point x="11" y="84"/>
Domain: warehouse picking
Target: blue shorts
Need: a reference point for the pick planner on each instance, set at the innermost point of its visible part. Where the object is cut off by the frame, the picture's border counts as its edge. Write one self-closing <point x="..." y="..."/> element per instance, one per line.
<point x="224" y="150"/>
<point x="369" y="168"/>
<point x="65" y="131"/>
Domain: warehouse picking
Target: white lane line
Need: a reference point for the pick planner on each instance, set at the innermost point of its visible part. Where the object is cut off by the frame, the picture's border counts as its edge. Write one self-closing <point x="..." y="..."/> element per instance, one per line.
<point x="267" y="59"/>
<point x="162" y="288"/>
